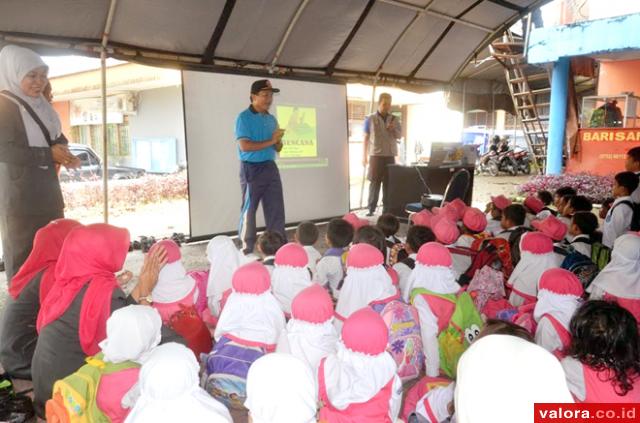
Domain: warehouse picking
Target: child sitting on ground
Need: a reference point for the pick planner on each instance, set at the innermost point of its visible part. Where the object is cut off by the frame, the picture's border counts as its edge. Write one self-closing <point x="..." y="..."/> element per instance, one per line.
<point x="604" y="356"/>
<point x="310" y="334"/>
<point x="494" y="218"/>
<point x="417" y="236"/>
<point x="330" y="270"/>
<point x="582" y="232"/>
<point x="132" y="333"/>
<point x="307" y="234"/>
<point x="290" y="275"/>
<point x="559" y="293"/>
<point x="474" y="222"/>
<point x="269" y="242"/>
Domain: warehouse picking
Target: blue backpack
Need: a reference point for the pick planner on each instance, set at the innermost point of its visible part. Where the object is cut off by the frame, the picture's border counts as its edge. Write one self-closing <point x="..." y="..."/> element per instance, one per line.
<point x="579" y="264"/>
<point x="227" y="366"/>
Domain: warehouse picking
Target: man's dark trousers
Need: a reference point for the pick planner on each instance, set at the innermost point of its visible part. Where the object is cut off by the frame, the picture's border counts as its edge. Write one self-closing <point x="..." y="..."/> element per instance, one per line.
<point x="378" y="175"/>
<point x="260" y="182"/>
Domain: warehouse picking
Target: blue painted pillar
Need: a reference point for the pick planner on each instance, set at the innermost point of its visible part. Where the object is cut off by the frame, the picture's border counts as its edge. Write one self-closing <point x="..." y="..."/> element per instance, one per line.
<point x="557" y="115"/>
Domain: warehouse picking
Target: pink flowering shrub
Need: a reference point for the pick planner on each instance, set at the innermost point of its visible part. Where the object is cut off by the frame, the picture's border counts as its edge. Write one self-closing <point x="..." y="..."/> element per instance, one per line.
<point x="595" y="187"/>
<point x="126" y="194"/>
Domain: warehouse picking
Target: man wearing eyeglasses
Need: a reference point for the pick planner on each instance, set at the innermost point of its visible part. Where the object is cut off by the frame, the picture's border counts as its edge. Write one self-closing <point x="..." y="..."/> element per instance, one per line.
<point x="259" y="139"/>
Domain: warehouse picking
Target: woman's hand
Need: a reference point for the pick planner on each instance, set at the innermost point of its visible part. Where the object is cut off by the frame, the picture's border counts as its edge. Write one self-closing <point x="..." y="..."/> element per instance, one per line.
<point x="124" y="278"/>
<point x="153" y="263"/>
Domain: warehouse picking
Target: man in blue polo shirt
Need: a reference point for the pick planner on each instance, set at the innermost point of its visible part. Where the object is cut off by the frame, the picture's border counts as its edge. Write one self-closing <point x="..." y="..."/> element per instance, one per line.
<point x="259" y="138"/>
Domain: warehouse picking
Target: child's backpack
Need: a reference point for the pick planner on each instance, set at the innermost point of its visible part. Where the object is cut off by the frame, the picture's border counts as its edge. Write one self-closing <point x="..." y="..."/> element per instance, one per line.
<point x="492" y="252"/>
<point x="188" y="324"/>
<point x="74" y="397"/>
<point x="463" y="328"/>
<point x="514" y="243"/>
<point x="397" y="253"/>
<point x="579" y="264"/>
<point x="600" y="255"/>
<point x="486" y="285"/>
<point x="405" y="341"/>
<point x="226" y="369"/>
<point x="635" y="219"/>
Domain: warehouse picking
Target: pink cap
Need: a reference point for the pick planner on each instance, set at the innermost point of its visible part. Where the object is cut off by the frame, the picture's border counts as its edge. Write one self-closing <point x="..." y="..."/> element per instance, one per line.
<point x="459" y="206"/>
<point x="500" y="201"/>
<point x="445" y="230"/>
<point x="536" y="243"/>
<point x="365" y="332"/>
<point x="355" y="221"/>
<point x="172" y="249"/>
<point x="534" y="204"/>
<point x="422" y="218"/>
<point x="552" y="227"/>
<point x="446" y="212"/>
<point x="561" y="282"/>
<point x="252" y="278"/>
<point x="293" y="255"/>
<point x="434" y="254"/>
<point x="313" y="305"/>
<point x="362" y="256"/>
<point x="474" y="219"/>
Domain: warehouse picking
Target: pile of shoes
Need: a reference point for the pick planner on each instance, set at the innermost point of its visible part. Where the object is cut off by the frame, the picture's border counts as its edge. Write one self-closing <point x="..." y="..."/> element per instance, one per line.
<point x="146" y="242"/>
<point x="14" y="407"/>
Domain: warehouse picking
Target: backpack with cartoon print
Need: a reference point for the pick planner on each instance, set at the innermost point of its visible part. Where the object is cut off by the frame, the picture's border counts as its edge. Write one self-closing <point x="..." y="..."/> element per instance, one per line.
<point x="463" y="328"/>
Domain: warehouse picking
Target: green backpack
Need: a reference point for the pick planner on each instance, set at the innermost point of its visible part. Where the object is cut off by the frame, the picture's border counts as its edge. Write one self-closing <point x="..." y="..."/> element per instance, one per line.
<point x="600" y="255"/>
<point x="74" y="397"/>
<point x="464" y="327"/>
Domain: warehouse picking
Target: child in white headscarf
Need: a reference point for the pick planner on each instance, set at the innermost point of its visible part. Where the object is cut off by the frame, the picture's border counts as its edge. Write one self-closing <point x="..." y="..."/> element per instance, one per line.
<point x="169" y="390"/>
<point x="619" y="281"/>
<point x="501" y="377"/>
<point x="224" y="259"/>
<point x="132" y="334"/>
<point x="559" y="294"/>
<point x="282" y="389"/>
<point x="310" y="334"/>
<point x="536" y="256"/>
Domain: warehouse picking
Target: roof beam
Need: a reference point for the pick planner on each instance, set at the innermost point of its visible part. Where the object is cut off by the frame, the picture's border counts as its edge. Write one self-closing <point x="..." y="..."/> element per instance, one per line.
<point x="509" y="5"/>
<point x="209" y="53"/>
<point x="406" y="30"/>
<point x="441" y="37"/>
<point x="426" y="11"/>
<point x="365" y="12"/>
<point x="303" y="4"/>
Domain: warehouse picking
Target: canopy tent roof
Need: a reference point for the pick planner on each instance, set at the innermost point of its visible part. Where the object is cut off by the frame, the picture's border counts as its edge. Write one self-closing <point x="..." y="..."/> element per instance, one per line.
<point x="417" y="44"/>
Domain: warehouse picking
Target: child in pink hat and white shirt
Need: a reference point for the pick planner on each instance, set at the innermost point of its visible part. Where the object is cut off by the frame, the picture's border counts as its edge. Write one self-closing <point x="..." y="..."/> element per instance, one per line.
<point x="290" y="275"/>
<point x="559" y="296"/>
<point x="359" y="384"/>
<point x="310" y="334"/>
<point x="474" y="222"/>
<point x="367" y="282"/>
<point x="434" y="273"/>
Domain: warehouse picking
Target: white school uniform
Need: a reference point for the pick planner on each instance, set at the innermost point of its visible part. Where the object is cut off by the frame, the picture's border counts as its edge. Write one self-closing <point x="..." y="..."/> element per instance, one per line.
<point x="581" y="243"/>
<point x="617" y="222"/>
<point x="329" y="273"/>
<point x="404" y="272"/>
<point x="494" y="227"/>
<point x="438" y="400"/>
<point x="314" y="257"/>
<point x="461" y="262"/>
<point x="560" y="307"/>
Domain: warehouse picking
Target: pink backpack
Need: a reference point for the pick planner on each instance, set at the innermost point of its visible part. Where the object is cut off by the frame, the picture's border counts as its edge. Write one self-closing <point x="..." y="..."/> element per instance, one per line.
<point x="405" y="341"/>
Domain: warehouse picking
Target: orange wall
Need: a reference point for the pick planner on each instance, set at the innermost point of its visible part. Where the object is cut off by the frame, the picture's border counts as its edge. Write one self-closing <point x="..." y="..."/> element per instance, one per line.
<point x="63" y="108"/>
<point x="617" y="77"/>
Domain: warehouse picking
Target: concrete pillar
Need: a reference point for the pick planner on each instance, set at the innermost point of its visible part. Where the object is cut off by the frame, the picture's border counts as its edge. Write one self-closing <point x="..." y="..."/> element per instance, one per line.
<point x="557" y="115"/>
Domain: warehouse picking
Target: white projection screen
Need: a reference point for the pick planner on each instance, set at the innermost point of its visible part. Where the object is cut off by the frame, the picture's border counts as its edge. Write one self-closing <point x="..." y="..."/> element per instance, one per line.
<point x="314" y="163"/>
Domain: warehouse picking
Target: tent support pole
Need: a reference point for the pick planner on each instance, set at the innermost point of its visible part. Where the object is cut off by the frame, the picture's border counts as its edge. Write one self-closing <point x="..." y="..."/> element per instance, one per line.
<point x="287" y="34"/>
<point x="103" y="72"/>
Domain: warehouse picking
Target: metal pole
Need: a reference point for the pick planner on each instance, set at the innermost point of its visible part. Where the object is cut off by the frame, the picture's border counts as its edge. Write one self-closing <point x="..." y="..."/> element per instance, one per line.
<point x="557" y="115"/>
<point x="364" y="168"/>
<point x="105" y="150"/>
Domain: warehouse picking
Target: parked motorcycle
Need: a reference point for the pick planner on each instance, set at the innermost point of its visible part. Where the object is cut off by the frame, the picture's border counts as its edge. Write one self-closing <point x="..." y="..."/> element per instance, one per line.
<point x="523" y="160"/>
<point x="494" y="163"/>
